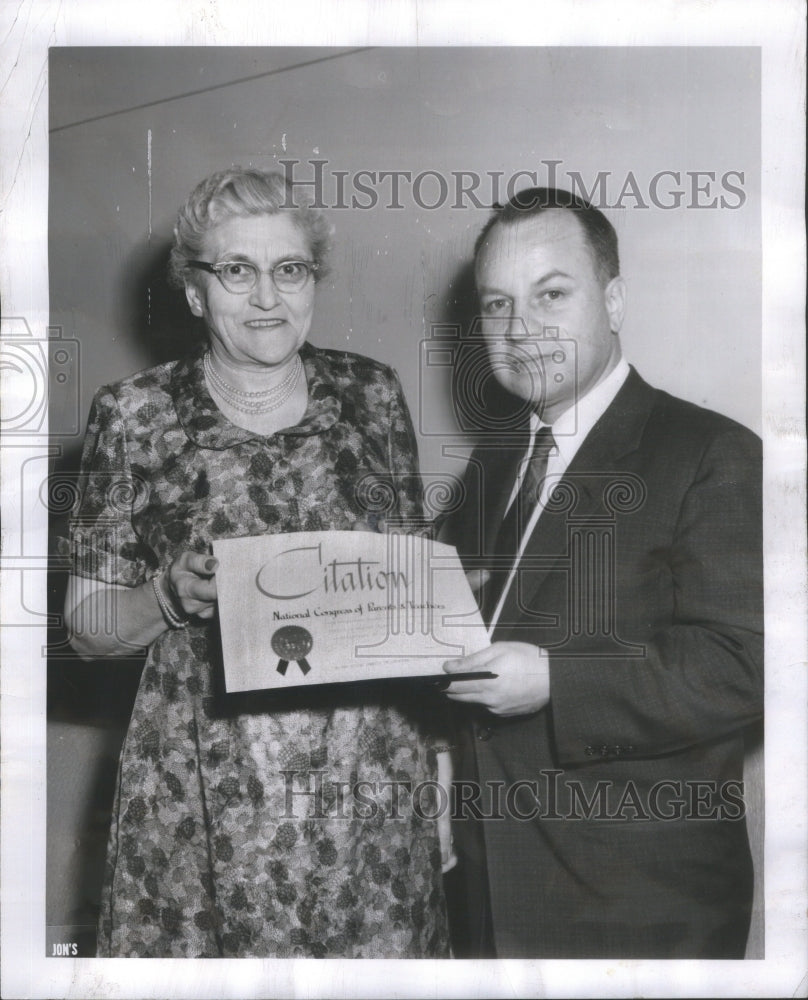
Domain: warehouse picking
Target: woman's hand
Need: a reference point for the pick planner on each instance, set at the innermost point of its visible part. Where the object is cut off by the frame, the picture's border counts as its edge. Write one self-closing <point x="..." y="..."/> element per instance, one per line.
<point x="448" y="858"/>
<point x="189" y="583"/>
<point x="103" y="619"/>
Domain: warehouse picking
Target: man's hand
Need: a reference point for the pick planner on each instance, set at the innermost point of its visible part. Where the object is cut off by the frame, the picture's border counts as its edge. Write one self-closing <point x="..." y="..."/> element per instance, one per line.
<point x="522" y="684"/>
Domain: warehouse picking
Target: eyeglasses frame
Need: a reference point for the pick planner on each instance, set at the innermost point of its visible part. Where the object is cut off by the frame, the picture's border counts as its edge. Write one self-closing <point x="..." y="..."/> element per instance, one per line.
<point x="219" y="266"/>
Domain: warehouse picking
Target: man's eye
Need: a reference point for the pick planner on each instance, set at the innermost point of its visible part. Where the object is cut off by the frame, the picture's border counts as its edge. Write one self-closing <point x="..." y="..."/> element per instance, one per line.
<point x="552" y="294"/>
<point x="494" y="306"/>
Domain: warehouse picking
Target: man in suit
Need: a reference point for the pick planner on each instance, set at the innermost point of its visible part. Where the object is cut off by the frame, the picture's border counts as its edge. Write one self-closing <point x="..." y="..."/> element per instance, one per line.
<point x="621" y="548"/>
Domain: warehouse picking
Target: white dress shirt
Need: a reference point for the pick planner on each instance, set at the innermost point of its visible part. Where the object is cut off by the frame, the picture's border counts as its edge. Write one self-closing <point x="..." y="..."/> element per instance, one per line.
<point x="569" y="433"/>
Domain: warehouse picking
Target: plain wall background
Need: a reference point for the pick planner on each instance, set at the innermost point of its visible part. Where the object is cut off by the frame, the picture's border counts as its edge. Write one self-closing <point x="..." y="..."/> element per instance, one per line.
<point x="132" y="130"/>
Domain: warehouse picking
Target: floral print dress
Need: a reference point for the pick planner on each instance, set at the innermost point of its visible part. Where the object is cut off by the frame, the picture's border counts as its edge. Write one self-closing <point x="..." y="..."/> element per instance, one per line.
<point x="237" y="827"/>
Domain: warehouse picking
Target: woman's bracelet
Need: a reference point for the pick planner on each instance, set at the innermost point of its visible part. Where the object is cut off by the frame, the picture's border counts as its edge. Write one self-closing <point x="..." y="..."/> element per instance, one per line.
<point x="172" y="619"/>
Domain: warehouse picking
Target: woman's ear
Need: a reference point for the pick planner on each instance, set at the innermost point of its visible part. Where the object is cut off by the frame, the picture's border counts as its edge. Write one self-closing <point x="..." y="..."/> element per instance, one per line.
<point x="195" y="299"/>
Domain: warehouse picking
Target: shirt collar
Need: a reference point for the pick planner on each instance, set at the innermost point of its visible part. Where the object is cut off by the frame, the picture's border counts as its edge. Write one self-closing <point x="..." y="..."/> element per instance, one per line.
<point x="572" y="427"/>
<point x="206" y="425"/>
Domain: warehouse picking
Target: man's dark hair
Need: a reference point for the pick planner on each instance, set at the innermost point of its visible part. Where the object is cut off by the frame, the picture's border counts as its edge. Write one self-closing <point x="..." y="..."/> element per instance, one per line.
<point x="599" y="232"/>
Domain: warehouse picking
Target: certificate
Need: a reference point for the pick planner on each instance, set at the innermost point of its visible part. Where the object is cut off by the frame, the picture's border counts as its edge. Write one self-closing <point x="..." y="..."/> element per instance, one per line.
<point x="322" y="607"/>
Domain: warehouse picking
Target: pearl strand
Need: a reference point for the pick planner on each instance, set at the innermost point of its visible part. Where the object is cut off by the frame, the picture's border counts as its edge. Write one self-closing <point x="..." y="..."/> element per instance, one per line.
<point x="263" y="401"/>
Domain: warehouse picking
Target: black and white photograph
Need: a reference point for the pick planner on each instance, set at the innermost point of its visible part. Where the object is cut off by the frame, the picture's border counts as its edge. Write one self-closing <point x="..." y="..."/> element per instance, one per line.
<point x="404" y="490"/>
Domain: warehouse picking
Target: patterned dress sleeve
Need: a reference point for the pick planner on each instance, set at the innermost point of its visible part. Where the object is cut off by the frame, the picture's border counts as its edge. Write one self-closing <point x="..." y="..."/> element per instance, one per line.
<point x="403" y="457"/>
<point x="103" y="543"/>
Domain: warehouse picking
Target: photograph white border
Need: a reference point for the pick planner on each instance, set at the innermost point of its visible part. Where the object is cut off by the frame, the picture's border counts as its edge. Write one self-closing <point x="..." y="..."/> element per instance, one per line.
<point x="27" y="29"/>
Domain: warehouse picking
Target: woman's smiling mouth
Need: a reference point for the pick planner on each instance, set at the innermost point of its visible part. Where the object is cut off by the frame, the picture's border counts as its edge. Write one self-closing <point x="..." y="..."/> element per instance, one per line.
<point x="263" y="324"/>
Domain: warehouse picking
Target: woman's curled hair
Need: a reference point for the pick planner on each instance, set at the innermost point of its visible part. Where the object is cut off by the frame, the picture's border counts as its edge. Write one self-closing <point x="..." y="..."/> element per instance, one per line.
<point x="239" y="192"/>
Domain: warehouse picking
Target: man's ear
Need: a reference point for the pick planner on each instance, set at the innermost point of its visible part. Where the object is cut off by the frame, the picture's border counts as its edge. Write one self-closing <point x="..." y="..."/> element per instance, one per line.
<point x="614" y="296"/>
<point x="194" y="296"/>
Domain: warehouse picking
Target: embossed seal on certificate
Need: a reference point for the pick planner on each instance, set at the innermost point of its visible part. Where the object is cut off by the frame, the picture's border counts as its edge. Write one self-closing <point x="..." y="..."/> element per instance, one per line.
<point x="292" y="642"/>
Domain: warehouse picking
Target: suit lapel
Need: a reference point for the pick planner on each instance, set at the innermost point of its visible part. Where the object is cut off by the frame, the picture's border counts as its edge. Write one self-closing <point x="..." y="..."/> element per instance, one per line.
<point x="616" y="434"/>
<point x="498" y="471"/>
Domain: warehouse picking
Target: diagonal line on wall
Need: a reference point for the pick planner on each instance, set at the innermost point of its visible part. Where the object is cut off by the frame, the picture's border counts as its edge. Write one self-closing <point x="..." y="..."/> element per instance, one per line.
<point x="206" y="90"/>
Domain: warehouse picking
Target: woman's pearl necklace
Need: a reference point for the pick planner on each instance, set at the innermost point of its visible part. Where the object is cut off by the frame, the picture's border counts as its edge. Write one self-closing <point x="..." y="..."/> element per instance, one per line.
<point x="263" y="401"/>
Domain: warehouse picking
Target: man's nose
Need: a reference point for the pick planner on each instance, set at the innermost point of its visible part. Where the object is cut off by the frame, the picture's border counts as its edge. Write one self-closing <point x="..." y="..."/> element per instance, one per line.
<point x="265" y="294"/>
<point x="517" y="328"/>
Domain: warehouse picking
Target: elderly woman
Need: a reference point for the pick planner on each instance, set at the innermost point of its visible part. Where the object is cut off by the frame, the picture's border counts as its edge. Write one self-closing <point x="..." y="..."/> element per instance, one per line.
<point x="212" y="852"/>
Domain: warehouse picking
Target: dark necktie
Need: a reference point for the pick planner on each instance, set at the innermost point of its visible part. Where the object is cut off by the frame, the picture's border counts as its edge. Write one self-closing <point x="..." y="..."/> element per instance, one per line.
<point x="512" y="529"/>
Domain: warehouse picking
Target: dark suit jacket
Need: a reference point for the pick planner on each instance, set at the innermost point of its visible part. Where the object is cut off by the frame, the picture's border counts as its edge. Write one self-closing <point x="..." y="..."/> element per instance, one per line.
<point x="643" y="581"/>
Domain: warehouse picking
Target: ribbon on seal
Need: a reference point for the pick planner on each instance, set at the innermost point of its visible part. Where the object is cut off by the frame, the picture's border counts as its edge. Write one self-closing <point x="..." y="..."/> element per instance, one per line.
<point x="292" y="642"/>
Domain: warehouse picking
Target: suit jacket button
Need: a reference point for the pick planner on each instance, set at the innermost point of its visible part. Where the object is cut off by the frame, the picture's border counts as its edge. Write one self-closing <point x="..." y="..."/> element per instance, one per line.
<point x="617" y="751"/>
<point x="484" y="733"/>
<point x="589" y="751"/>
<point x="604" y="751"/>
<point x="628" y="749"/>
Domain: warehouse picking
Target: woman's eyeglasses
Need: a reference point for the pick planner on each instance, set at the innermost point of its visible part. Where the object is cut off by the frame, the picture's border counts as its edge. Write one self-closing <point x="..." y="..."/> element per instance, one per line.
<point x="240" y="276"/>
